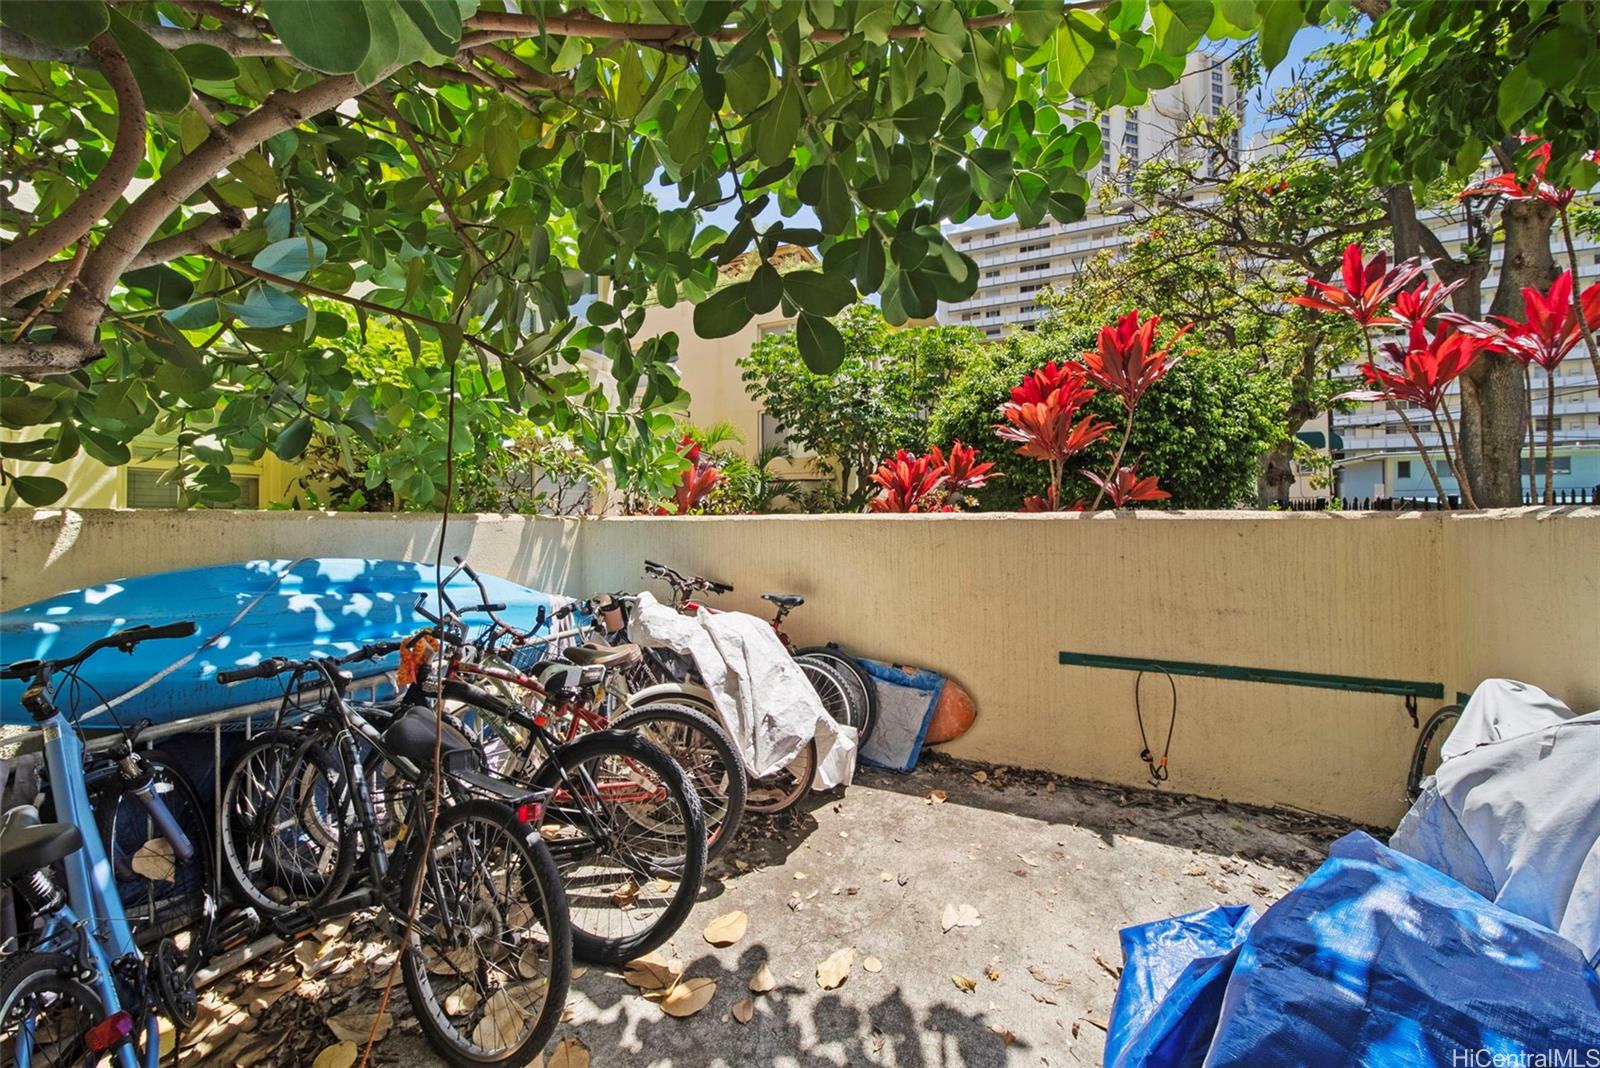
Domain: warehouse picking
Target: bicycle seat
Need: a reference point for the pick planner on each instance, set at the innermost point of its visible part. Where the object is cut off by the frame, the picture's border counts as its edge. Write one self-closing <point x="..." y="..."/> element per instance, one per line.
<point x="27" y="845"/>
<point x="784" y="600"/>
<point x="604" y="655"/>
<point x="412" y="736"/>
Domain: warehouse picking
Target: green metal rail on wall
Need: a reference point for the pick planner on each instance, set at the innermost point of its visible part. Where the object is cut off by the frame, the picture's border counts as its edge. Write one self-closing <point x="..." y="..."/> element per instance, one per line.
<point x="1411" y="691"/>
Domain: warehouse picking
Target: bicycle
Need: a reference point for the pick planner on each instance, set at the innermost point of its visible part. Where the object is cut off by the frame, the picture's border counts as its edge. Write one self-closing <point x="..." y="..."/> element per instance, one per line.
<point x="624" y="821"/>
<point x="783" y="790"/>
<point x="78" y="987"/>
<point x="1425" y="758"/>
<point x="671" y="716"/>
<point x="862" y="708"/>
<point x="456" y="857"/>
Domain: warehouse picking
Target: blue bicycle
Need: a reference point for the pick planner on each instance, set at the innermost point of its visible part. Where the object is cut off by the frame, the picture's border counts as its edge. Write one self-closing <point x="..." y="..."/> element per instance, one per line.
<point x="74" y="984"/>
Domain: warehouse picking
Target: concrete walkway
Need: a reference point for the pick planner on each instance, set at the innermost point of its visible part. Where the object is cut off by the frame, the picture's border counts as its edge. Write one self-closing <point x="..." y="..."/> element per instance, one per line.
<point x="1050" y="868"/>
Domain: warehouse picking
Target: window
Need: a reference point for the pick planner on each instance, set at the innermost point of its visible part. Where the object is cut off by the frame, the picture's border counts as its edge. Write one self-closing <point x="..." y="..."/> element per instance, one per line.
<point x="1045" y="266"/>
<point x="1543" y="425"/>
<point x="146" y="490"/>
<point x="991" y="274"/>
<point x="1561" y="466"/>
<point x="992" y="313"/>
<point x="993" y="331"/>
<point x="1402" y="469"/>
<point x="1035" y="287"/>
<point x="1037" y="246"/>
<point x="1028" y="309"/>
<point x="774" y="435"/>
<point x="773" y="329"/>
<point x="967" y="317"/>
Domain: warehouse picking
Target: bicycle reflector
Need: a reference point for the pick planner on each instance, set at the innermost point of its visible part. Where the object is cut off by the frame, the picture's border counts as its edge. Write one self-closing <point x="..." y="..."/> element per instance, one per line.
<point x="108" y="1032"/>
<point x="530" y="812"/>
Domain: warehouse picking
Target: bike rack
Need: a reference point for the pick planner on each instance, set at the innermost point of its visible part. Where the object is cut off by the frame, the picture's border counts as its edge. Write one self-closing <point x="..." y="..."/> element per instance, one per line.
<point x="1411" y="691"/>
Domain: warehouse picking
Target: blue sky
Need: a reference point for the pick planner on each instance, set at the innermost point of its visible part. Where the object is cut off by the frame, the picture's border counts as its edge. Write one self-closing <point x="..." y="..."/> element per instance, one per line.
<point x="1305" y="42"/>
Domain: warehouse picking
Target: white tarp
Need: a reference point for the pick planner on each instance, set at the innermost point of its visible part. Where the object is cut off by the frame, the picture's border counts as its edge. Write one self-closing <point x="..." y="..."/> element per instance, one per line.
<point x="766" y="702"/>
<point x="1514" y="810"/>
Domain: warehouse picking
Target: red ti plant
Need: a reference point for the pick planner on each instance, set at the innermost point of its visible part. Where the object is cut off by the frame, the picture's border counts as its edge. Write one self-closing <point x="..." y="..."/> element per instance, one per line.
<point x="931" y="483"/>
<point x="1365" y="290"/>
<point x="1551" y="326"/>
<point x="1126" y="362"/>
<point x="1043" y="418"/>
<point x="1425" y="367"/>
<point x="1125" y="487"/>
<point x="696" y="482"/>
<point x="1365" y="297"/>
<point x="1511" y="186"/>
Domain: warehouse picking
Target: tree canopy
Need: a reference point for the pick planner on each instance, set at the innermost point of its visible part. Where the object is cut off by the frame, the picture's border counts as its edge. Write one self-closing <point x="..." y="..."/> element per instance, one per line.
<point x="184" y="179"/>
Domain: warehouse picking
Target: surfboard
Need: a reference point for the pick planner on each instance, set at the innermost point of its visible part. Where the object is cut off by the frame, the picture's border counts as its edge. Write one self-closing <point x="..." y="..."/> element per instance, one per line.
<point x="245" y="612"/>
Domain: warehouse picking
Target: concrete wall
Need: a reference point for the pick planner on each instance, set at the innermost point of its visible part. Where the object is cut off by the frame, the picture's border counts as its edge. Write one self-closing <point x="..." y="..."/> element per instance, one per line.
<point x="992" y="599"/>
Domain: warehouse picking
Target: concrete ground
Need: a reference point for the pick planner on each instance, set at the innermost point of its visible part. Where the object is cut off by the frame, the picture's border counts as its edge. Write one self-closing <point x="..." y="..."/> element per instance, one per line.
<point x="1040" y="872"/>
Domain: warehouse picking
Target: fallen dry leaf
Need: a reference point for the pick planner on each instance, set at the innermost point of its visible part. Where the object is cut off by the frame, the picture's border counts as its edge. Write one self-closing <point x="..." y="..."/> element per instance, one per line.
<point x="462" y="1001"/>
<point x="963" y="983"/>
<point x="872" y="964"/>
<point x="743" y="1010"/>
<point x="937" y="797"/>
<point x="980" y="776"/>
<point x="353" y="1026"/>
<point x="652" y="972"/>
<point x="338" y="1055"/>
<point x="992" y="973"/>
<point x="688" y="997"/>
<point x="1112" y="970"/>
<point x="501" y="1024"/>
<point x="727" y="929"/>
<point x="570" y="1052"/>
<point x="763" y="980"/>
<point x="626" y="896"/>
<point x="1044" y="999"/>
<point x="836" y="968"/>
<point x="959" y="916"/>
<point x="1030" y="859"/>
<point x="155" y="860"/>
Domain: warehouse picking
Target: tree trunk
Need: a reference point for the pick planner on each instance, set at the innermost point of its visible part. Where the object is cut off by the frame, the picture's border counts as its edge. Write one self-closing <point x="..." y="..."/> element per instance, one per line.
<point x="1493" y="401"/>
<point x="1277" y="475"/>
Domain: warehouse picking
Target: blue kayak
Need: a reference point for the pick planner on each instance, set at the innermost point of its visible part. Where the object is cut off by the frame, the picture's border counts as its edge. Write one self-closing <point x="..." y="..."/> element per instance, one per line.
<point x="245" y="613"/>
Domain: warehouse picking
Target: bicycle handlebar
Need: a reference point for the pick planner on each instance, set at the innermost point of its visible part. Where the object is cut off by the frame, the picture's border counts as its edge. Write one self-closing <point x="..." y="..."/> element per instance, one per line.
<point x="278" y="665"/>
<point x="124" y="639"/>
<point x="685" y="582"/>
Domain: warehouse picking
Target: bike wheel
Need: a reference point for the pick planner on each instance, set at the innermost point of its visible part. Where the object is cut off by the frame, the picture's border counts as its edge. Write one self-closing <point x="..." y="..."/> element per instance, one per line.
<point x="624" y="824"/>
<point x="158" y="904"/>
<point x="1425" y="758"/>
<point x="45" y="1013"/>
<point x="287" y="841"/>
<point x="703" y="749"/>
<point x="489" y="960"/>
<point x="862" y="692"/>
<point x="782" y="791"/>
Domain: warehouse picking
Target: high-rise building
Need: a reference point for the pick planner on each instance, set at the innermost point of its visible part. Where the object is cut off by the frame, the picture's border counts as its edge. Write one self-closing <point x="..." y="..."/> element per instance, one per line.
<point x="1016" y="263"/>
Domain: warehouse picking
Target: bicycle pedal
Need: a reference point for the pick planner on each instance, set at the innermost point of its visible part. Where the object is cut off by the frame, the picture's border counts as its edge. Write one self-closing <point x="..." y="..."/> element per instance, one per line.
<point x="294" y="925"/>
<point x="233" y="932"/>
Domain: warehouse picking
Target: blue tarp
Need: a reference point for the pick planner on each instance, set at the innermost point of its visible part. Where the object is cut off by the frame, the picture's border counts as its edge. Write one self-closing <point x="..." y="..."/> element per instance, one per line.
<point x="1375" y="960"/>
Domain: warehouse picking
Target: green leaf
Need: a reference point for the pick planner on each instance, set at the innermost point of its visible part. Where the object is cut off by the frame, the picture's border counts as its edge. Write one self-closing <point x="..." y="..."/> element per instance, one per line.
<point x="1280" y="21"/>
<point x="1180" y="24"/>
<point x="747" y="84"/>
<point x="330" y="37"/>
<point x="438" y="20"/>
<point x="293" y="439"/>
<point x="1520" y="92"/>
<point x="951" y="192"/>
<point x="821" y="344"/>
<point x="383" y="20"/>
<point x="766" y="289"/>
<point x="207" y="63"/>
<point x="919" y="120"/>
<point x="687" y="142"/>
<point x="1037" y="19"/>
<point x="292" y="258"/>
<point x="778" y="125"/>
<point x="265" y="306"/>
<point x="161" y="77"/>
<point x="724" y="313"/>
<point x="58" y="23"/>
<point x="834" y="207"/>
<point x="1084" y="55"/>
<point x="196" y="316"/>
<point x="38" y="490"/>
<point x="991" y="173"/>
<point x="819" y="293"/>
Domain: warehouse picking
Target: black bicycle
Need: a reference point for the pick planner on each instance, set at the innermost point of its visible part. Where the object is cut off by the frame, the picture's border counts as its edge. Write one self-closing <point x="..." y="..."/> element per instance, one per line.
<point x="488" y="960"/>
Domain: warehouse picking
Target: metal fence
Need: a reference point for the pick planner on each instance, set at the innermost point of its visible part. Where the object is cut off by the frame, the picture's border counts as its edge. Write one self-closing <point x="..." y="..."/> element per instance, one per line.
<point x="1589" y="495"/>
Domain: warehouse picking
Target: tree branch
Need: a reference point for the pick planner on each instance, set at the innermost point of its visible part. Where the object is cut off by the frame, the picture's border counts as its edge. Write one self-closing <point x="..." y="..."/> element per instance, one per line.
<point x="385" y="101"/>
<point x="108" y="186"/>
<point x="197" y="238"/>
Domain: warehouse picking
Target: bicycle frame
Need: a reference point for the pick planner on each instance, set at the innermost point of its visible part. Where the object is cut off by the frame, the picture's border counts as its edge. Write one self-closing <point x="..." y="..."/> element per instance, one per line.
<point x="93" y="915"/>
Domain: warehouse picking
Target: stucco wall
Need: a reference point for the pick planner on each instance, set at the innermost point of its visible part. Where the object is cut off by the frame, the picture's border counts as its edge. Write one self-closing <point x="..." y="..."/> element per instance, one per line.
<point x="992" y="599"/>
